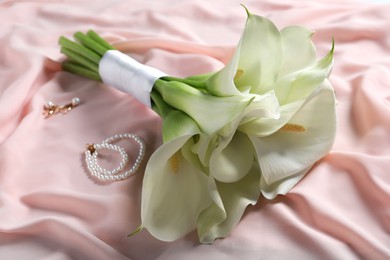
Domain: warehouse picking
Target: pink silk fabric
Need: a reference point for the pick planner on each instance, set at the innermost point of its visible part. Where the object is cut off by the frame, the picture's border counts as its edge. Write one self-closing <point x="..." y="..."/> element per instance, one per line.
<point x="51" y="208"/>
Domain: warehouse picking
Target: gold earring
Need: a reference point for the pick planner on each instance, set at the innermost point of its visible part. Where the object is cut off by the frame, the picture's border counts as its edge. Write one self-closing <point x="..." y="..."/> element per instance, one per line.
<point x="52" y="109"/>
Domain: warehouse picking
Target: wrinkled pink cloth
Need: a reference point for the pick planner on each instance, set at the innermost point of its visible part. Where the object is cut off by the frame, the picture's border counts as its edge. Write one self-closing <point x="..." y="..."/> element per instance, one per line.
<point x="51" y="208"/>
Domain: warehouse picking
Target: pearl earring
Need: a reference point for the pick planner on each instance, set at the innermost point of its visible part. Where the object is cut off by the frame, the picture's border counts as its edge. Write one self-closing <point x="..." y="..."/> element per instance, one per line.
<point x="92" y="152"/>
<point x="51" y="109"/>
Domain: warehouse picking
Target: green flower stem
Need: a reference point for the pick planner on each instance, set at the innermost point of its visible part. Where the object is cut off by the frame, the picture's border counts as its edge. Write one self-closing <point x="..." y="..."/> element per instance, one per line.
<point x="159" y="105"/>
<point x="84" y="57"/>
<point x="75" y="68"/>
<point x="79" y="59"/>
<point x="94" y="36"/>
<point x="80" y="50"/>
<point x="90" y="43"/>
<point x="193" y="83"/>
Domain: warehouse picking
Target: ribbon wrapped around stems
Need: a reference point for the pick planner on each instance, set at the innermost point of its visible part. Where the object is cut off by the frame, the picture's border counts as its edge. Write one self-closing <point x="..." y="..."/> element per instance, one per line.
<point x="126" y="74"/>
<point x="253" y="128"/>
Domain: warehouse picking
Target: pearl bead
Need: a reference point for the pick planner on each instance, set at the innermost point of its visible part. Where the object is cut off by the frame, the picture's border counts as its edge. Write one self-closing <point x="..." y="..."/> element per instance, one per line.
<point x="75" y="101"/>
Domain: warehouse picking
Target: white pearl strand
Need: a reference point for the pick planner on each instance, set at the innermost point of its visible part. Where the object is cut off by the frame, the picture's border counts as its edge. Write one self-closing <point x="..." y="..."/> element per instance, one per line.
<point x="96" y="170"/>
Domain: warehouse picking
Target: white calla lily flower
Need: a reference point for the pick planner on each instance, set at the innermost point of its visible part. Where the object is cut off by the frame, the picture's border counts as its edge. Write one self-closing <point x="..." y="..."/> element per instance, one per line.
<point x="307" y="137"/>
<point x="255" y="127"/>
<point x="174" y="192"/>
<point x="229" y="203"/>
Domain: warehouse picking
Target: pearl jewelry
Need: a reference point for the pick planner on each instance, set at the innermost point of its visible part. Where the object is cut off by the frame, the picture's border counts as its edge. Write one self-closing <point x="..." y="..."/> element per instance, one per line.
<point x="51" y="109"/>
<point x="75" y="101"/>
<point x="119" y="173"/>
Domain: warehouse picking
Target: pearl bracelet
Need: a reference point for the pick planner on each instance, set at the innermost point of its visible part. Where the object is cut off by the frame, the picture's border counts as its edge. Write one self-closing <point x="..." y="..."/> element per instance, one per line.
<point x="119" y="173"/>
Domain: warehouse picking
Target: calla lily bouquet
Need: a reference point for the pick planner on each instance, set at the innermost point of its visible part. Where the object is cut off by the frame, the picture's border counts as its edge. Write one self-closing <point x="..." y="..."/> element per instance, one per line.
<point x="254" y="127"/>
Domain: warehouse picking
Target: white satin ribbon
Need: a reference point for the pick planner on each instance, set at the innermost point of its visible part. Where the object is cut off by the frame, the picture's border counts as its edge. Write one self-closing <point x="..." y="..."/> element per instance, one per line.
<point x="128" y="75"/>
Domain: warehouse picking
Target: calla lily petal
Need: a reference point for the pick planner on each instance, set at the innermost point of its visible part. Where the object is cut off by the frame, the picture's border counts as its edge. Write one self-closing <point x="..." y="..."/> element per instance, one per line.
<point x="220" y="217"/>
<point x="285" y="153"/>
<point x="173" y="193"/>
<point x="211" y="216"/>
<point x="231" y="162"/>
<point x="262" y="106"/>
<point x="256" y="62"/>
<point x="309" y="80"/>
<point x="292" y="91"/>
<point x="177" y="123"/>
<point x="300" y="84"/>
<point x="222" y="83"/>
<point x="270" y="191"/>
<point x="203" y="147"/>
<point x="260" y="55"/>
<point x="193" y="157"/>
<point x="266" y="126"/>
<point x="298" y="49"/>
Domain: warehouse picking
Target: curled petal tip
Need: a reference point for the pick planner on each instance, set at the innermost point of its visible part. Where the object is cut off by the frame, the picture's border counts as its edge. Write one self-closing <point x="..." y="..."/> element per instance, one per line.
<point x="247" y="11"/>
<point x="333" y="43"/>
<point x="135" y="231"/>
